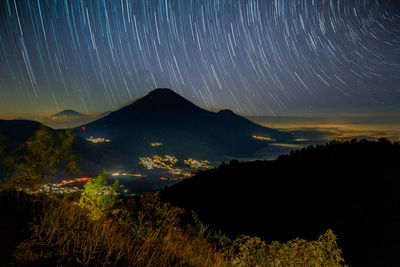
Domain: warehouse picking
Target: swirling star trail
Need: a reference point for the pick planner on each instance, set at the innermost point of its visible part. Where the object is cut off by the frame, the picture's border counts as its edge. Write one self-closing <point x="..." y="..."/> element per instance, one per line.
<point x="256" y="57"/>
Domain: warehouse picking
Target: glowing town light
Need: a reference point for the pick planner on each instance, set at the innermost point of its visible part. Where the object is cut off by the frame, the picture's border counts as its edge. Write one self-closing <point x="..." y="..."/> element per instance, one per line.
<point x="98" y="140"/>
<point x="156" y="144"/>
<point x="197" y="164"/>
<point x="263" y="138"/>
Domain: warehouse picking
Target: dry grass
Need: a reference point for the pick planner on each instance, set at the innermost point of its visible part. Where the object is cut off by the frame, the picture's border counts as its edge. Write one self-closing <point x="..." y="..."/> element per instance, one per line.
<point x="150" y="236"/>
<point x="143" y="231"/>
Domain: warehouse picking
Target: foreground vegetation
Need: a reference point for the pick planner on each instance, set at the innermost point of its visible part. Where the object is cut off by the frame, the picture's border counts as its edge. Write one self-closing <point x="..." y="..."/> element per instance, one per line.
<point x="141" y="231"/>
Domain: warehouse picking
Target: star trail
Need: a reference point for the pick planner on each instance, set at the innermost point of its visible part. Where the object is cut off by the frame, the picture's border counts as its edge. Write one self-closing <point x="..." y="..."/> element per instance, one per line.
<point x="256" y="57"/>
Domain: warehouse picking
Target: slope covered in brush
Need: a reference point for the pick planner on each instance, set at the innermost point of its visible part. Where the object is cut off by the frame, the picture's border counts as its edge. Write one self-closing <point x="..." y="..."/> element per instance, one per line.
<point x="350" y="187"/>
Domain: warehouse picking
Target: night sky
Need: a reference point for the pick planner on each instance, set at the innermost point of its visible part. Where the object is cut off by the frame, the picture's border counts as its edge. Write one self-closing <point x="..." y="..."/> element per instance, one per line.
<point x="256" y="57"/>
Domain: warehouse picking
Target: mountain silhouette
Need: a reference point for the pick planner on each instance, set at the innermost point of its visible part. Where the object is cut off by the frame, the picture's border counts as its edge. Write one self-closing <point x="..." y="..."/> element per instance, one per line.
<point x="68" y="113"/>
<point x="66" y="119"/>
<point x="183" y="128"/>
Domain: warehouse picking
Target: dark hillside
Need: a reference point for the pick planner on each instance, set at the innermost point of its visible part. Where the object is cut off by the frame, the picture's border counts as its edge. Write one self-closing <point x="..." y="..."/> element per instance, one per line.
<point x="350" y="187"/>
<point x="92" y="158"/>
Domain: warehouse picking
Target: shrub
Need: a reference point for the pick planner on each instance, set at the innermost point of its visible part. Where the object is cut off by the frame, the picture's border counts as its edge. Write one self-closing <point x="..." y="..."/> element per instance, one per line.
<point x="299" y="252"/>
<point x="98" y="196"/>
<point x="252" y="251"/>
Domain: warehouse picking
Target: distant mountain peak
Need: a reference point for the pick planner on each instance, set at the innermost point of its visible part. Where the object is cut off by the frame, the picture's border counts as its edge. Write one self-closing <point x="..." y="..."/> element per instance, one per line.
<point x="66" y="118"/>
<point x="68" y="112"/>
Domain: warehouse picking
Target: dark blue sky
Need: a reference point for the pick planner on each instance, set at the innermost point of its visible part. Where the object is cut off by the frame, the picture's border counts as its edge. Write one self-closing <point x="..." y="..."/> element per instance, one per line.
<point x="257" y="57"/>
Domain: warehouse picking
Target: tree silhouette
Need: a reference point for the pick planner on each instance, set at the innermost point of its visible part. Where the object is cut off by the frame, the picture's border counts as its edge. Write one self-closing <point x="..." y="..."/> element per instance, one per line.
<point x="40" y="158"/>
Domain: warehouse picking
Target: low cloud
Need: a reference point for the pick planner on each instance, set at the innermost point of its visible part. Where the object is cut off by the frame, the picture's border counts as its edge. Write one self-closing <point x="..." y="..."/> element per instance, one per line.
<point x="319" y="129"/>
